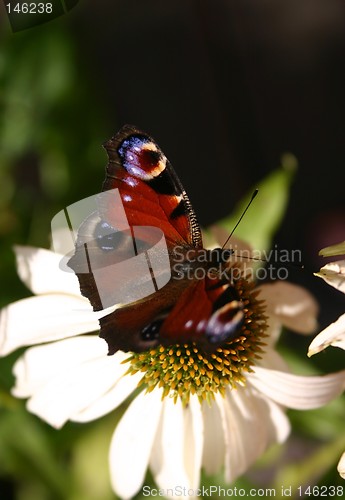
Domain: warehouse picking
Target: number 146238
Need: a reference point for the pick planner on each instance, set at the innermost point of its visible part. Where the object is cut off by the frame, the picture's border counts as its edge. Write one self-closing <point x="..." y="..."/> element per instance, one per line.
<point x="30" y="8"/>
<point x="321" y="491"/>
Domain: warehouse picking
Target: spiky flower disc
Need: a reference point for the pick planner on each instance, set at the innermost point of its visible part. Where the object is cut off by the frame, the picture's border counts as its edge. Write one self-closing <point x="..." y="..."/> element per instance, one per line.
<point x="182" y="370"/>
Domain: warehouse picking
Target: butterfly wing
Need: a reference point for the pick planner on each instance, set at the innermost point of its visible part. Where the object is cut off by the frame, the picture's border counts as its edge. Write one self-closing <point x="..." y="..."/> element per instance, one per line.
<point x="207" y="312"/>
<point x="151" y="192"/>
<point x="141" y="194"/>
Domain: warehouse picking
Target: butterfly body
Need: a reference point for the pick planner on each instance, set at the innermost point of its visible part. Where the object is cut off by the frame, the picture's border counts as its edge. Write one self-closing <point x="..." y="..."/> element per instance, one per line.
<point x="199" y="303"/>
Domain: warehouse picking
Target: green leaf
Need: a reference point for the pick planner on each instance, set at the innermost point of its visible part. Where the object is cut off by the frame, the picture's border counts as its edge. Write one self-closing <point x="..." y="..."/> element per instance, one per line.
<point x="267" y="210"/>
<point x="312" y="468"/>
<point x="90" y="464"/>
<point x="26" y="453"/>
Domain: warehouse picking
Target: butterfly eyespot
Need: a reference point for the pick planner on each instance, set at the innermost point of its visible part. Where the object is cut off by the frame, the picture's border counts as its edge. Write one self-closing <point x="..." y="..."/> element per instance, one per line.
<point x="225" y="322"/>
<point x="107" y="237"/>
<point x="151" y="331"/>
<point x="150" y="158"/>
<point x="141" y="158"/>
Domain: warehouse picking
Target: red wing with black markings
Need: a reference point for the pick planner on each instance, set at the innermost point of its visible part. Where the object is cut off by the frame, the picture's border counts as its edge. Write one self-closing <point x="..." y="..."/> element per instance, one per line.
<point x="150" y="189"/>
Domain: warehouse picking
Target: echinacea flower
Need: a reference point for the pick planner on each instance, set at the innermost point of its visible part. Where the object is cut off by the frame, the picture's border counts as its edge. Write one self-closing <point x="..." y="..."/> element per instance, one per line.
<point x="221" y="410"/>
<point x="334" y="274"/>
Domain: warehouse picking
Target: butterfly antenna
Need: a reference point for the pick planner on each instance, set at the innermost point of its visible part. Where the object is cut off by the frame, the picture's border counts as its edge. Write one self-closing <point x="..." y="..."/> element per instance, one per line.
<point x="296" y="266"/>
<point x="243" y="214"/>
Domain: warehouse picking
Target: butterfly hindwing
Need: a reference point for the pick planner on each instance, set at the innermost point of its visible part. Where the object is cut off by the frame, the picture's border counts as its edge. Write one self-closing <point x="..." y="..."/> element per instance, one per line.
<point x="206" y="312"/>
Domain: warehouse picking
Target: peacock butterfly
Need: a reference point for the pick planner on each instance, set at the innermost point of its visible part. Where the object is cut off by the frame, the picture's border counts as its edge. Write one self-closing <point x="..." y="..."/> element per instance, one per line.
<point x="197" y="304"/>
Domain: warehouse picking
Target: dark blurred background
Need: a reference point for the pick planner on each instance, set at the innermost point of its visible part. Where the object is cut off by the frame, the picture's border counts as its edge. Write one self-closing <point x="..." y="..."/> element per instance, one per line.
<point x="225" y="86"/>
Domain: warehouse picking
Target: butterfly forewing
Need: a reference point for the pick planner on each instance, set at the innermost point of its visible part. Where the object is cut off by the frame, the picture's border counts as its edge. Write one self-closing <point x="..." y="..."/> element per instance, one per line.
<point x="150" y="189"/>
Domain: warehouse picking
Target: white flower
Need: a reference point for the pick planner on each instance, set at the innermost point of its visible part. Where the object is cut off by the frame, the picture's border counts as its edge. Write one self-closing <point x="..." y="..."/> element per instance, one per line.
<point x="334" y="274"/>
<point x="70" y="377"/>
<point x="341" y="466"/>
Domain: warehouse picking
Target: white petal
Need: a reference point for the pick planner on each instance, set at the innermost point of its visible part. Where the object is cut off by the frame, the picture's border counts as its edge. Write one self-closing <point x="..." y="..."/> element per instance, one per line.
<point x="75" y="387"/>
<point x="341" y="466"/>
<point x="214" y="445"/>
<point x="167" y="454"/>
<point x="278" y="424"/>
<point x="43" y="319"/>
<point x="177" y="450"/>
<point x="41" y="363"/>
<point x="273" y="360"/>
<point x="62" y="397"/>
<point x="39" y="269"/>
<point x="193" y="442"/>
<point x="251" y="423"/>
<point x="270" y="358"/>
<point x="246" y="434"/>
<point x="273" y="331"/>
<point x="291" y="304"/>
<point x="295" y="391"/>
<point x="110" y="400"/>
<point x="334" y="335"/>
<point x="334" y="274"/>
<point x="131" y="444"/>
